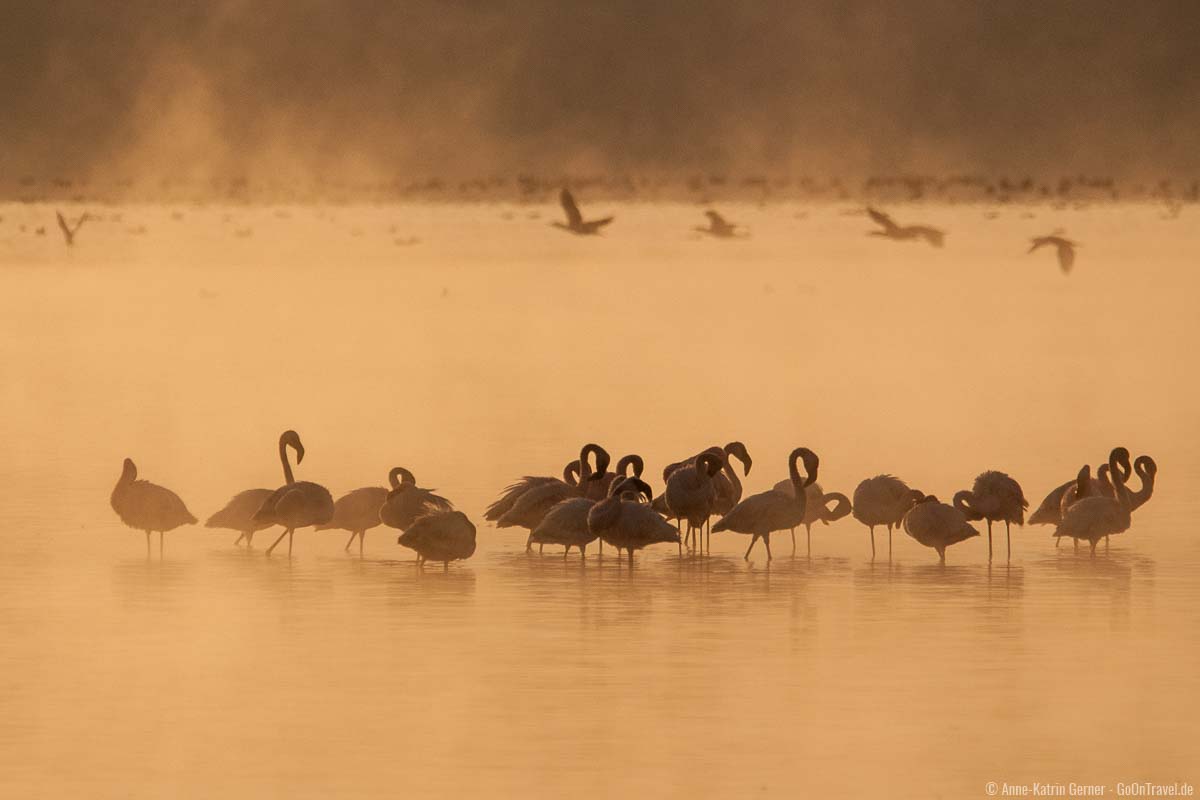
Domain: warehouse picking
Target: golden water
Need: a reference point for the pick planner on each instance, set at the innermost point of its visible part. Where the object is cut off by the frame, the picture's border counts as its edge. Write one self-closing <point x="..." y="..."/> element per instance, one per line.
<point x="496" y="346"/>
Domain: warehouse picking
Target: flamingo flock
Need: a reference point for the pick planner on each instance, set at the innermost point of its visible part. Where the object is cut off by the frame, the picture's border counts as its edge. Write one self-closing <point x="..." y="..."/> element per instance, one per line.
<point x="618" y="508"/>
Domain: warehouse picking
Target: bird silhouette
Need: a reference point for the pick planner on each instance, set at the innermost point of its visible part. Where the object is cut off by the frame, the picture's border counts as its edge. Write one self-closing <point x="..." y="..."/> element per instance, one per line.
<point x="727" y="484"/>
<point x="514" y="490"/>
<point x="904" y="232"/>
<point x="882" y="500"/>
<point x="718" y="226"/>
<point x="296" y="504"/>
<point x="1096" y="517"/>
<point x="567" y="522"/>
<point x="575" y="222"/>
<point x="690" y="492"/>
<point x="1064" y="248"/>
<point x="994" y="497"/>
<point x="359" y="510"/>
<point x="528" y="509"/>
<point x="629" y="525"/>
<point x="238" y="515"/>
<point x="628" y="466"/>
<point x="406" y="502"/>
<point x="1146" y="469"/>
<point x="441" y="536"/>
<point x="935" y="524"/>
<point x="761" y="514"/>
<point x="1049" y="511"/>
<point x="816" y="508"/>
<point x="146" y="506"/>
<point x="69" y="231"/>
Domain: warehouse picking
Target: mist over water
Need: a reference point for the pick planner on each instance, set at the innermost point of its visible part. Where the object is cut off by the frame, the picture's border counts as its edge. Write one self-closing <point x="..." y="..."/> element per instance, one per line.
<point x="493" y="347"/>
<point x="283" y="91"/>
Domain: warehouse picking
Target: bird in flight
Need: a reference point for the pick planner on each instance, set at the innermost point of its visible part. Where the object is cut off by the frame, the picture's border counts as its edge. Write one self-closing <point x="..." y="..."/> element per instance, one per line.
<point x="1064" y="246"/>
<point x="719" y="227"/>
<point x="68" y="230"/>
<point x="575" y="222"/>
<point x="904" y="232"/>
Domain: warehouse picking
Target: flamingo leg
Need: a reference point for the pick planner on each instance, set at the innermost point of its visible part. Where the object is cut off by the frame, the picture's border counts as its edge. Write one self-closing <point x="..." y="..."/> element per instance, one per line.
<point x="291" y="535"/>
<point x="793" y="542"/>
<point x="1057" y="541"/>
<point x="1076" y="541"/>
<point x="678" y="529"/>
<point x="753" y="539"/>
<point x="582" y="552"/>
<point x="160" y="542"/>
<point x="529" y="543"/>
<point x="277" y="541"/>
<point x="889" y="541"/>
<point x="238" y="540"/>
<point x="541" y="546"/>
<point x="942" y="554"/>
<point x="989" y="522"/>
<point x="767" y="541"/>
<point x="630" y="551"/>
<point x="1008" y="540"/>
<point x="361" y="535"/>
<point x="808" y="538"/>
<point x="250" y="539"/>
<point x="147" y="544"/>
<point x="350" y="541"/>
<point x="872" y="527"/>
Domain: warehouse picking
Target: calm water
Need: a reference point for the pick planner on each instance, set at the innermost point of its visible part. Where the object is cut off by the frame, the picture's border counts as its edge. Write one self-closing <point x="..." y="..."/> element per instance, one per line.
<point x="494" y="347"/>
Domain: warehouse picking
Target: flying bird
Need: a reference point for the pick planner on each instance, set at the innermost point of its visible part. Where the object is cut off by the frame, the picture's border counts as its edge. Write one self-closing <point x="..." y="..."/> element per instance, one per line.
<point x="1065" y="249"/>
<point x="146" y="506"/>
<point x="719" y="227"/>
<point x="69" y="231"/>
<point x="575" y="222"/>
<point x="904" y="232"/>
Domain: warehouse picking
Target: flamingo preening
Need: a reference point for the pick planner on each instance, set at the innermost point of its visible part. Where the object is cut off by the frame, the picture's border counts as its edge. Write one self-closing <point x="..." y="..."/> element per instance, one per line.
<point x="761" y="514"/>
<point x="994" y="497"/>
<point x="296" y="504"/>
<point x="882" y="500"/>
<point x="1049" y="511"/>
<point x="627" y="524"/>
<point x="935" y="524"/>
<point x="513" y="491"/>
<point x="146" y="506"/>
<point x="406" y="502"/>
<point x="238" y="515"/>
<point x="440" y="536"/>
<point x="1097" y="517"/>
<point x="359" y="510"/>
<point x="532" y="505"/>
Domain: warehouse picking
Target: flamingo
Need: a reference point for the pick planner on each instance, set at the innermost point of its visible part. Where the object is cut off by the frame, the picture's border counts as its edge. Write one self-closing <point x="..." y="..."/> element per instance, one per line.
<point x="629" y="524"/>
<point x="935" y="524"/>
<point x="528" y="509"/>
<point x="1049" y="512"/>
<point x="816" y="508"/>
<point x="994" y="497"/>
<point x="690" y="492"/>
<point x="358" y="511"/>
<point x="146" y="506"/>
<point x="238" y="514"/>
<point x="407" y="502"/>
<point x="513" y="491"/>
<point x="296" y="504"/>
<point x="1146" y="469"/>
<point x="575" y="222"/>
<point x="1095" y="517"/>
<point x="567" y="522"/>
<point x="441" y="536"/>
<point x="604" y="482"/>
<point x="1064" y="248"/>
<point x="760" y="514"/>
<point x="904" y="232"/>
<point x="718" y="226"/>
<point x="882" y="500"/>
<point x="726" y="482"/>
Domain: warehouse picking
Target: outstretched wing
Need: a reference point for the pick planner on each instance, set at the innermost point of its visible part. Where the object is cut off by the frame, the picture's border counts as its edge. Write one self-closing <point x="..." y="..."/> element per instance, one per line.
<point x="931" y="235"/>
<point x="572" y="210"/>
<point x="881" y="219"/>
<point x="66" y="229"/>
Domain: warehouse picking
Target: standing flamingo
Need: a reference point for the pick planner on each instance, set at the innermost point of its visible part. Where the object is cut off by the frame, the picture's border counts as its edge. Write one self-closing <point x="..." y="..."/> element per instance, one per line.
<point x="533" y="505"/>
<point x="296" y="504"/>
<point x="935" y="524"/>
<point x="690" y="493"/>
<point x="816" y="508"/>
<point x="146" y="506"/>
<point x="407" y="502"/>
<point x="760" y="514"/>
<point x="727" y="484"/>
<point x="358" y="511"/>
<point x="440" y="536"/>
<point x="882" y="500"/>
<point x="628" y="524"/>
<point x="1096" y="517"/>
<point x="567" y="522"/>
<point x="513" y="491"/>
<point x="238" y="515"/>
<point x="994" y="497"/>
<point x="1146" y="469"/>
